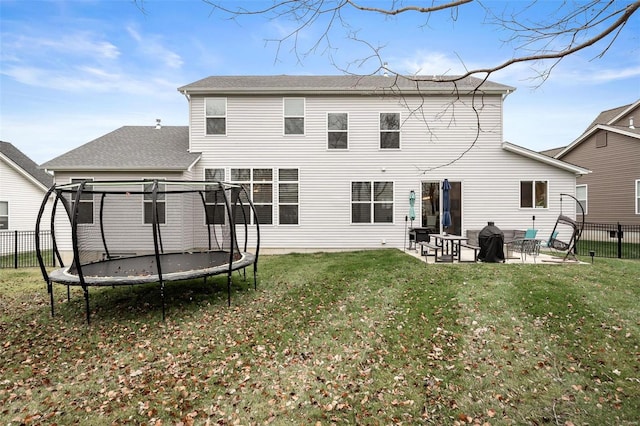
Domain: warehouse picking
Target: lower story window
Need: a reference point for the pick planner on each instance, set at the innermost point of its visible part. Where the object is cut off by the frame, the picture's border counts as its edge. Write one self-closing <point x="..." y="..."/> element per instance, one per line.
<point x="161" y="207"/>
<point x="85" y="203"/>
<point x="638" y="197"/>
<point x="533" y="194"/>
<point x="581" y="195"/>
<point x="259" y="184"/>
<point x="4" y="215"/>
<point x="288" y="201"/>
<point x="214" y="200"/>
<point x="372" y="202"/>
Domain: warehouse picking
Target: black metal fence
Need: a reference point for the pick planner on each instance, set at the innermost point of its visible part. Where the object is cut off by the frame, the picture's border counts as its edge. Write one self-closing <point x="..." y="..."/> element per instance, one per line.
<point x="610" y="240"/>
<point x="18" y="249"/>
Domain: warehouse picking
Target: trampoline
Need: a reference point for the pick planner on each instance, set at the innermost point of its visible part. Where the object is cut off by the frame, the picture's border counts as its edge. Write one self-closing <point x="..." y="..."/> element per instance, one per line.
<point x="148" y="231"/>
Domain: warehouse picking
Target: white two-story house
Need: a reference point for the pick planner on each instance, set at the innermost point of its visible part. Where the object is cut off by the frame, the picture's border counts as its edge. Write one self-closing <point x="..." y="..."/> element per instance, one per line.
<point x="332" y="161"/>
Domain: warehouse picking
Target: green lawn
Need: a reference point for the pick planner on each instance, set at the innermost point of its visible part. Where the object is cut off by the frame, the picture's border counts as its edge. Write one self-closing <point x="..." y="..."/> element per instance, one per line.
<point x="372" y="337"/>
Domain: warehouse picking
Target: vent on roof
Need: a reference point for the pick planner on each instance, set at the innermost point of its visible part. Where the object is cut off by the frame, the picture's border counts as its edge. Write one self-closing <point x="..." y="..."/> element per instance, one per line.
<point x="631" y="126"/>
<point x="158" y="125"/>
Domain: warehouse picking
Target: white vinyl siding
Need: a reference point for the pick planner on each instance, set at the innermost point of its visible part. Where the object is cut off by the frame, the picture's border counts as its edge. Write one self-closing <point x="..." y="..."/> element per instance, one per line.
<point x="255" y="140"/>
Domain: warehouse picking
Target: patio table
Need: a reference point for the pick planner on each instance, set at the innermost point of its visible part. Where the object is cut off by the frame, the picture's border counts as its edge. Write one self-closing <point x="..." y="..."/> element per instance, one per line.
<point x="450" y="245"/>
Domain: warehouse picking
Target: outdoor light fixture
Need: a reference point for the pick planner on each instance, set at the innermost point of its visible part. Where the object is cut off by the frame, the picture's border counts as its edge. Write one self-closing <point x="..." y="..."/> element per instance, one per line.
<point x="592" y="254"/>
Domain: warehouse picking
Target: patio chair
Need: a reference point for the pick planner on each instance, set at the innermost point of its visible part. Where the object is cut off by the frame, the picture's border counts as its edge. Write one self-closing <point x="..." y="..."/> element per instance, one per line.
<point x="528" y="245"/>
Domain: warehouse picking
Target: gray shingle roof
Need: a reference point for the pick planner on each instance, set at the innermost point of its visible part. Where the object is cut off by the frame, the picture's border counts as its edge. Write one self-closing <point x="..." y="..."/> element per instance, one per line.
<point x="339" y="84"/>
<point x="25" y="163"/>
<point x="131" y="148"/>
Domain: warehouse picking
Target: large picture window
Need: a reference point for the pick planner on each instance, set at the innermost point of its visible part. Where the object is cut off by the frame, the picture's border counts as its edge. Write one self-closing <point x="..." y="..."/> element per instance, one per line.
<point x="372" y="202"/>
<point x="85" y="205"/>
<point x="581" y="195"/>
<point x="534" y="194"/>
<point x="293" y="116"/>
<point x="216" y="116"/>
<point x="161" y="205"/>
<point x="4" y="215"/>
<point x="288" y="198"/>
<point x="390" y="130"/>
<point x="337" y="130"/>
<point x="215" y="204"/>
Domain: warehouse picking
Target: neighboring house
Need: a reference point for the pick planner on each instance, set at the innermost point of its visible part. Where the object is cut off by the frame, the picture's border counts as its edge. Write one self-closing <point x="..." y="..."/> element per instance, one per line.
<point x="610" y="148"/>
<point x="22" y="189"/>
<point x="331" y="161"/>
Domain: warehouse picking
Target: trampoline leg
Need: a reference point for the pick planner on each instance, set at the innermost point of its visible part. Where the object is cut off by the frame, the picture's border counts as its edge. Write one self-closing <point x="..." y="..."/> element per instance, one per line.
<point x="68" y="293"/>
<point x="162" y="297"/>
<point x="229" y="276"/>
<point x="86" y="304"/>
<point x="50" y="289"/>
<point x="255" y="277"/>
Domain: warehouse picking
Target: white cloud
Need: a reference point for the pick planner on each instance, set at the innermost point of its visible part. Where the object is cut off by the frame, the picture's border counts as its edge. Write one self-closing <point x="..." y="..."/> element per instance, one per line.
<point x="152" y="47"/>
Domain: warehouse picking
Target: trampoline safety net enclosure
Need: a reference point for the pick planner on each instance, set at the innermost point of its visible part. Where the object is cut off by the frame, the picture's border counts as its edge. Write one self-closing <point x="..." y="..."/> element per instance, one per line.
<point x="148" y="231"/>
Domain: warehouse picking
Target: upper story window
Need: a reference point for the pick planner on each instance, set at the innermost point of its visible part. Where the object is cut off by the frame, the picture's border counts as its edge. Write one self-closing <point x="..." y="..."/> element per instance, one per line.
<point x="371" y="202"/>
<point x="293" y="116"/>
<point x="216" y="115"/>
<point x="581" y="195"/>
<point x="288" y="200"/>
<point x="214" y="200"/>
<point x="85" y="206"/>
<point x="4" y="215"/>
<point x="147" y="201"/>
<point x="534" y="194"/>
<point x="389" y="130"/>
<point x="337" y="130"/>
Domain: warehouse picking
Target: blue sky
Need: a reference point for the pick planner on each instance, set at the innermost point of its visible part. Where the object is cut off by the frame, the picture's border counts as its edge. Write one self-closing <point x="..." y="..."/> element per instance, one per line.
<point x="71" y="71"/>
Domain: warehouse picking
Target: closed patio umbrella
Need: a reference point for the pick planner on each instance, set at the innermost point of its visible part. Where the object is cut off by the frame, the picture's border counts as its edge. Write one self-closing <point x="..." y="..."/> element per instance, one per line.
<point x="446" y="204"/>
<point x="412" y="209"/>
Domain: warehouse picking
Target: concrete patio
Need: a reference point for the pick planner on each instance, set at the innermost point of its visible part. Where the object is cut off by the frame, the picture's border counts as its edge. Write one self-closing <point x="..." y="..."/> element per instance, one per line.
<point x="466" y="255"/>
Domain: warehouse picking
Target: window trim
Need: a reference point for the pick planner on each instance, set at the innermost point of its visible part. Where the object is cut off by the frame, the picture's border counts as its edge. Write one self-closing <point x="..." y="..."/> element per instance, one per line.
<point x="206" y="116"/>
<point x="398" y="131"/>
<point x="329" y="131"/>
<point x="285" y="116"/>
<point x="7" y="215"/>
<point x="372" y="202"/>
<point x="533" y="194"/>
<point x="585" y="202"/>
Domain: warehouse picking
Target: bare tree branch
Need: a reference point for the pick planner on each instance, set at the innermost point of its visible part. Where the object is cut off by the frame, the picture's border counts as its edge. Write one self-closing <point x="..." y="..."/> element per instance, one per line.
<point x="572" y="28"/>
